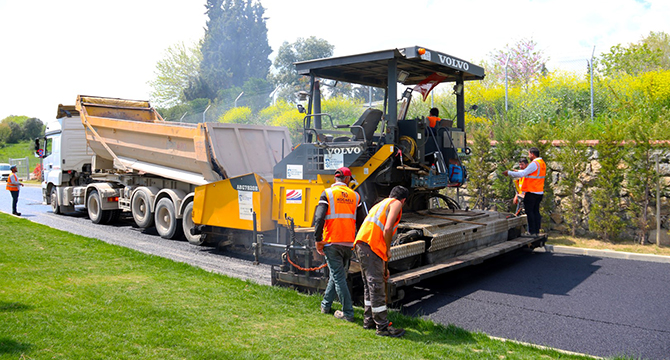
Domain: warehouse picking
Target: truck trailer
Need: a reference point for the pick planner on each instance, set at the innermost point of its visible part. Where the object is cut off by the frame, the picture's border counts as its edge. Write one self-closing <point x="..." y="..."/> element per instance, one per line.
<point x="248" y="187"/>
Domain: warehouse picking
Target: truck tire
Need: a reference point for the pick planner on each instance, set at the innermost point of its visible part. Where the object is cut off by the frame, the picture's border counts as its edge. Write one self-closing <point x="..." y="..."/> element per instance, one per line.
<point x="94" y="208"/>
<point x="165" y="217"/>
<point x="141" y="210"/>
<point x="55" y="206"/>
<point x="114" y="216"/>
<point x="188" y="224"/>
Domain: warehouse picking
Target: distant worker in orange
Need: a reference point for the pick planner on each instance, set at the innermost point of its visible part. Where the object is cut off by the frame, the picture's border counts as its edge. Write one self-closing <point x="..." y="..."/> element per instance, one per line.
<point x="13" y="185"/>
<point x="533" y="187"/>
<point x="518" y="197"/>
<point x="434" y="117"/>
<point x="373" y="247"/>
<point x="335" y="232"/>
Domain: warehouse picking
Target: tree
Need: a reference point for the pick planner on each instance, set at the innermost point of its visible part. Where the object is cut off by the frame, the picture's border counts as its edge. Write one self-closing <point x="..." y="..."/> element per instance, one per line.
<point x="301" y="50"/>
<point x="177" y="72"/>
<point x="16" y="133"/>
<point x="572" y="157"/>
<point x="633" y="60"/>
<point x="480" y="165"/>
<point x="649" y="54"/>
<point x="641" y="177"/>
<point x="32" y="128"/>
<point x="604" y="218"/>
<point x="5" y="131"/>
<point x="235" y="48"/>
<point x="526" y="64"/>
<point x="660" y="41"/>
<point x="284" y="74"/>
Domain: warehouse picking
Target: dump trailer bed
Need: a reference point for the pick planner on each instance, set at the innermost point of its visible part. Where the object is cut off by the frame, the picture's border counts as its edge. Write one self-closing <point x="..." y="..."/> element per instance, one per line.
<point x="131" y="135"/>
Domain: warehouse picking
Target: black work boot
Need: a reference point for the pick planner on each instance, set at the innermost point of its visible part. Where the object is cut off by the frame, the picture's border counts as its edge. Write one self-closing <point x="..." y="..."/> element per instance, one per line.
<point x="390" y="331"/>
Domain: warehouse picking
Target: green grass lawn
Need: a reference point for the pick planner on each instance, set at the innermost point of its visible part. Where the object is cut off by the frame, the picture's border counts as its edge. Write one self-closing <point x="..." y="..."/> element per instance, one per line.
<point x="64" y="296"/>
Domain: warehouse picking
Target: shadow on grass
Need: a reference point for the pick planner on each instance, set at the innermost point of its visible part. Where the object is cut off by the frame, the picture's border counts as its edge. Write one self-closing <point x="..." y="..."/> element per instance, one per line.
<point x="424" y="331"/>
<point x="9" y="346"/>
<point x="13" y="306"/>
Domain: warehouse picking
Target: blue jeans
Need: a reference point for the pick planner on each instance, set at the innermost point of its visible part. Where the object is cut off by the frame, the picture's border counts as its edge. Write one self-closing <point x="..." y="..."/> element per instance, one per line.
<point x="338" y="258"/>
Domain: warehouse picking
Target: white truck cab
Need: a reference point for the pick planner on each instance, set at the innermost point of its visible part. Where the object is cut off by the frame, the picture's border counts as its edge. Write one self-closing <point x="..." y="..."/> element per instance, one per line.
<point x="66" y="156"/>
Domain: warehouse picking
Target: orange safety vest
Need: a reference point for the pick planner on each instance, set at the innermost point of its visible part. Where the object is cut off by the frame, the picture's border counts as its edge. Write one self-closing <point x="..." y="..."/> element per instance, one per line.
<point x="534" y="182"/>
<point x="372" y="230"/>
<point x="433" y="120"/>
<point x="12" y="187"/>
<point x="340" y="221"/>
<point x="518" y="184"/>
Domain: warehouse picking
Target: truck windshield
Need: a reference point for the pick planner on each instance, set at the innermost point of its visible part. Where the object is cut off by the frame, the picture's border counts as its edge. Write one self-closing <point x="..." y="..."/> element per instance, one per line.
<point x="5" y="167"/>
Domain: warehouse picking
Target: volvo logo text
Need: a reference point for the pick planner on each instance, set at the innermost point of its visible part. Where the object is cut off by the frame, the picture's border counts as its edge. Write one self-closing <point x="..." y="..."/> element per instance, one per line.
<point x="458" y="64"/>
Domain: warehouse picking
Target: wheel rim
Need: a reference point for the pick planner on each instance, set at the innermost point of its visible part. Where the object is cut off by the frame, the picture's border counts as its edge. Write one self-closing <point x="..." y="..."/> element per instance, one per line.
<point x="163" y="219"/>
<point x="142" y="208"/>
<point x="54" y="201"/>
<point x="93" y="207"/>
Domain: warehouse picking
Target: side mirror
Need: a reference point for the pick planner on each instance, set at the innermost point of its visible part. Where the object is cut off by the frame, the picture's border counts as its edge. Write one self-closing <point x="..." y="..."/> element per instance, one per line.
<point x="39" y="152"/>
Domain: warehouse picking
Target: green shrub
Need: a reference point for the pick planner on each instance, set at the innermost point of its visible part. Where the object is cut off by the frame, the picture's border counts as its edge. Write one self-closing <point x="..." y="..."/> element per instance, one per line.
<point x="604" y="218"/>
<point x="238" y="115"/>
<point x="572" y="157"/>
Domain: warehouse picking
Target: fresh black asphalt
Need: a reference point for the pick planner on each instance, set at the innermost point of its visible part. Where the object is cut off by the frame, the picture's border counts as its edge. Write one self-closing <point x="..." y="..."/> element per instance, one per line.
<point x="586" y="304"/>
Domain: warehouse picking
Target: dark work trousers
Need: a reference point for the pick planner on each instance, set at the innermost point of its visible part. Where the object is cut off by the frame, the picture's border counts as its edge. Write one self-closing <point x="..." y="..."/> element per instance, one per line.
<point x="15" y="200"/>
<point x="531" y="202"/>
<point x="373" y="287"/>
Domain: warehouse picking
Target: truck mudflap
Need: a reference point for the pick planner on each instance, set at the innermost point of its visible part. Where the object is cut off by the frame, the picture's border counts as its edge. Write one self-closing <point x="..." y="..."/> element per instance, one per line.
<point x="413" y="276"/>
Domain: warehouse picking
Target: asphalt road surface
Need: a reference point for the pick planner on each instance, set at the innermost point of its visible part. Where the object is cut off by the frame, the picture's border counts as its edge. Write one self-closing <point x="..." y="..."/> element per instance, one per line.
<point x="596" y="306"/>
<point x="591" y="305"/>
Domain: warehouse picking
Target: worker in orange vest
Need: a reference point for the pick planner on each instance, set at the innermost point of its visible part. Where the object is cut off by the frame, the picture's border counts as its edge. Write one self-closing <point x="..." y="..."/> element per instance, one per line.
<point x="518" y="183"/>
<point x="434" y="117"/>
<point x="373" y="247"/>
<point x="13" y="186"/>
<point x="533" y="187"/>
<point x="334" y="233"/>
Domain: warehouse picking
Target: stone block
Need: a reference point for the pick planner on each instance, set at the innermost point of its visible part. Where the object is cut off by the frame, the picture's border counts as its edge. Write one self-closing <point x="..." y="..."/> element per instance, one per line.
<point x="665" y="238"/>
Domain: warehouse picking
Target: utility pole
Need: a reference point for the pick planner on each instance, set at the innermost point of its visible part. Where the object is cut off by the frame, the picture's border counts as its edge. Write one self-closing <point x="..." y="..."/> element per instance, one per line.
<point x="204" y="112"/>
<point x="506" y="63"/>
<point x="238" y="97"/>
<point x="591" y="68"/>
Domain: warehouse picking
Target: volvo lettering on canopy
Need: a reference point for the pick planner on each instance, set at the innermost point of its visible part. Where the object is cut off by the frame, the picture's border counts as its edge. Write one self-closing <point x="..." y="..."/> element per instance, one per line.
<point x="344" y="151"/>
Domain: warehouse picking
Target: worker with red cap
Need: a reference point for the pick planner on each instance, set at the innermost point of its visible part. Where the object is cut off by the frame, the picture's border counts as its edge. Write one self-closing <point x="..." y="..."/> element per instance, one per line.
<point x="334" y="232"/>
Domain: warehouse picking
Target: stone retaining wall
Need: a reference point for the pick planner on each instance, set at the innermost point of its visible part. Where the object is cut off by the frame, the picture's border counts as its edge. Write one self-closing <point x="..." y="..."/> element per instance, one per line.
<point x="585" y="188"/>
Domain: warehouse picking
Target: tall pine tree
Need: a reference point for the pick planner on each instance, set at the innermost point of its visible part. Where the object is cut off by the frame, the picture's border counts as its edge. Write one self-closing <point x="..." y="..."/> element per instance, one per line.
<point x="235" y="48"/>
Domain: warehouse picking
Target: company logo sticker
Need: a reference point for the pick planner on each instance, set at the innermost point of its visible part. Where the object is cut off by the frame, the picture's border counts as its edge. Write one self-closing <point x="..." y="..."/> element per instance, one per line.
<point x="294" y="196"/>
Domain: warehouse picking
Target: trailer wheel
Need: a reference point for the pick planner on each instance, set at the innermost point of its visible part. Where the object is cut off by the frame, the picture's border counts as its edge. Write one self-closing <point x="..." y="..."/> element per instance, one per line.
<point x="141" y="210"/>
<point x="165" y="216"/>
<point x="55" y="206"/>
<point x="94" y="208"/>
<point x="188" y="224"/>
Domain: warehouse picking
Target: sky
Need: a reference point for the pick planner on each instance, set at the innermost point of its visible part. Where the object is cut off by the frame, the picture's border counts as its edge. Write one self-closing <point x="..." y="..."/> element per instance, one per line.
<point x="51" y="51"/>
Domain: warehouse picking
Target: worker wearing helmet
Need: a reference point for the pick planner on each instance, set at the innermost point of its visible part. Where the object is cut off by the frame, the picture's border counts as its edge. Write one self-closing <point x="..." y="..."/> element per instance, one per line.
<point x="13" y="186"/>
<point x="373" y="247"/>
<point x="533" y="188"/>
<point x="335" y="232"/>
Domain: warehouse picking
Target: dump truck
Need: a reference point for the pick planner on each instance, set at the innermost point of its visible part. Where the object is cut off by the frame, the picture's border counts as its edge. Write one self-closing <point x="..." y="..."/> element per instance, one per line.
<point x="116" y="156"/>
<point x="248" y="188"/>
